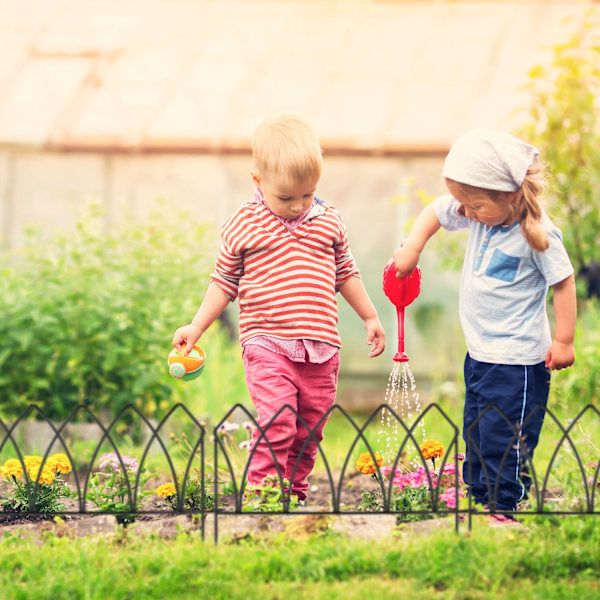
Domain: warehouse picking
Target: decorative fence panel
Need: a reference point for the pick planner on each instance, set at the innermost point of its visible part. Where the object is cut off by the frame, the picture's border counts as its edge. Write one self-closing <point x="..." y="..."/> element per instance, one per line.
<point x="183" y="466"/>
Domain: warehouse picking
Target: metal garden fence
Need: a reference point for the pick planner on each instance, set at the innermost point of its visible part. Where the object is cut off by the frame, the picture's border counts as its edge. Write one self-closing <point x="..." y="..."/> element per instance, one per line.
<point x="204" y="482"/>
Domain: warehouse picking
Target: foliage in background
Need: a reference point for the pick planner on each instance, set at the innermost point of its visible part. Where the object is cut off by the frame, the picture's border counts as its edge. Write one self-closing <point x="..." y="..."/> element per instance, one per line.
<point x="563" y="122"/>
<point x="88" y="316"/>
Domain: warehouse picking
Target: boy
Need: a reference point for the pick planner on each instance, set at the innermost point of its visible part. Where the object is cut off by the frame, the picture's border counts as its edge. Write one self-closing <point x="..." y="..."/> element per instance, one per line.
<point x="284" y="255"/>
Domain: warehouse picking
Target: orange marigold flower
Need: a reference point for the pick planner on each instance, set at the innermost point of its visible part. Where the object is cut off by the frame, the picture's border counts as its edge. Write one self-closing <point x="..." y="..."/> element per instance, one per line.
<point x="12" y="468"/>
<point x="59" y="463"/>
<point x="32" y="461"/>
<point x="47" y="476"/>
<point x="431" y="449"/>
<point x="165" y="490"/>
<point x="365" y="463"/>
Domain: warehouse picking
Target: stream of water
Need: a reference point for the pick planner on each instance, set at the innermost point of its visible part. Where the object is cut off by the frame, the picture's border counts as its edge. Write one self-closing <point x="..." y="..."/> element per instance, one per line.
<point x="402" y="397"/>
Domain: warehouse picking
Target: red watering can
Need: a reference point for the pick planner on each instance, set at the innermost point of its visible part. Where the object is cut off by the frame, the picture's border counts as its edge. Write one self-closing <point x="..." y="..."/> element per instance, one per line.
<point x="401" y="292"/>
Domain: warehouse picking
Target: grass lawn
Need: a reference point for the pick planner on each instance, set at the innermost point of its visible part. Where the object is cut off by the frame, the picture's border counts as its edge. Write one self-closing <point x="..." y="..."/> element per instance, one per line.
<point x="552" y="559"/>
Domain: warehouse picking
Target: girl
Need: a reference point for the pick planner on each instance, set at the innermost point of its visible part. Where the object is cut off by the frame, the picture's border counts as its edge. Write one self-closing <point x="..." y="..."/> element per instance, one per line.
<point x="514" y="254"/>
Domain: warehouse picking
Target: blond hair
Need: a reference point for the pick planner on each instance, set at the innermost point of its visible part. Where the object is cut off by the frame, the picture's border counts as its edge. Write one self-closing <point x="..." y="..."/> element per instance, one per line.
<point x="527" y="207"/>
<point x="287" y="146"/>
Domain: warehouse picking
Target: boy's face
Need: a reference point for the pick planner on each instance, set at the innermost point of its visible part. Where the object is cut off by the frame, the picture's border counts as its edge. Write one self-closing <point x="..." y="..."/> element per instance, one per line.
<point x="286" y="198"/>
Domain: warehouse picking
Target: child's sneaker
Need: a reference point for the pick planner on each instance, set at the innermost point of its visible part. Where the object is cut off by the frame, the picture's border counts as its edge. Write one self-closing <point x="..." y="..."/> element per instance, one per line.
<point x="500" y="520"/>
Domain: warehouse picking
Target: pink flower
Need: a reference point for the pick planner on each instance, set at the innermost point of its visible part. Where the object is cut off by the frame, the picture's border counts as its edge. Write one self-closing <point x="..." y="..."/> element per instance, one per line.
<point x="449" y="497"/>
<point x="111" y="461"/>
<point x="400" y="483"/>
<point x="450" y="475"/>
<point x="449" y="469"/>
<point x="385" y="471"/>
<point x="419" y="477"/>
<point x="415" y="479"/>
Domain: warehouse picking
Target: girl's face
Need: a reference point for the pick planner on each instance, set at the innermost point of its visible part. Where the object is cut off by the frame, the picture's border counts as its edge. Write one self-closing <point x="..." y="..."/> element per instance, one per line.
<point x="481" y="208"/>
<point x="287" y="199"/>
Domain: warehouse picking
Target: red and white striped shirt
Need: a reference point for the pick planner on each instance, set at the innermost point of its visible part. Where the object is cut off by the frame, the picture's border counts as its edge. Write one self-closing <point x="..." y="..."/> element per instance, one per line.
<point x="285" y="281"/>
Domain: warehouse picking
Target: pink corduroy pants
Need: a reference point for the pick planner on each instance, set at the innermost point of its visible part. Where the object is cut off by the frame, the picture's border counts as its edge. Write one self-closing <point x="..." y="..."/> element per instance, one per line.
<point x="273" y="381"/>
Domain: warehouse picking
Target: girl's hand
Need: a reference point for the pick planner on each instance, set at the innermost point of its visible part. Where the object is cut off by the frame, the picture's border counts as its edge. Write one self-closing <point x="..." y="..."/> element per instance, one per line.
<point x="186" y="337"/>
<point x="405" y="260"/>
<point x="560" y="356"/>
<point x="375" y="336"/>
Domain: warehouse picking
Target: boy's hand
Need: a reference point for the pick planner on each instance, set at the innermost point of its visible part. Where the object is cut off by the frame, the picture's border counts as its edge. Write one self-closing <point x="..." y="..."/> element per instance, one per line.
<point x="560" y="356"/>
<point x="186" y="337"/>
<point x="405" y="260"/>
<point x="375" y="336"/>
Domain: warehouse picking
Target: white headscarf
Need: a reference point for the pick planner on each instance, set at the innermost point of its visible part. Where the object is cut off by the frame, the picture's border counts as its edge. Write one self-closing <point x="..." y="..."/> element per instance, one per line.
<point x="489" y="159"/>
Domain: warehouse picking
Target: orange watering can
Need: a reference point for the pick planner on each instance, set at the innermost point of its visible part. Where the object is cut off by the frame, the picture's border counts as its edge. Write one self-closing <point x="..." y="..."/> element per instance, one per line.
<point x="186" y="367"/>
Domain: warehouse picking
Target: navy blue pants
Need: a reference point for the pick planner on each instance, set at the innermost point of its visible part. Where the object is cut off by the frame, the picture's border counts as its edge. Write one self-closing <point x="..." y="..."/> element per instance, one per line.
<point x="504" y="409"/>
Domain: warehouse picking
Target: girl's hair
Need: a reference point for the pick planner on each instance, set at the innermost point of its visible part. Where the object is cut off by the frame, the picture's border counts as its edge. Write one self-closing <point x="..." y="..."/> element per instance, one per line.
<point x="527" y="207"/>
<point x="287" y="146"/>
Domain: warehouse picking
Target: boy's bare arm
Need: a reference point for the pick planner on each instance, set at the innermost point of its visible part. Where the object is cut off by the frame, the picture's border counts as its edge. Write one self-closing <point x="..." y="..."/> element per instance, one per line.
<point x="562" y="353"/>
<point x="355" y="294"/>
<point x="407" y="256"/>
<point x="214" y="303"/>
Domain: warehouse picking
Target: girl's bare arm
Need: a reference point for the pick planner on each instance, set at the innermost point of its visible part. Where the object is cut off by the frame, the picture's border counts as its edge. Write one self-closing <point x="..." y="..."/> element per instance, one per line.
<point x="561" y="353"/>
<point x="407" y="256"/>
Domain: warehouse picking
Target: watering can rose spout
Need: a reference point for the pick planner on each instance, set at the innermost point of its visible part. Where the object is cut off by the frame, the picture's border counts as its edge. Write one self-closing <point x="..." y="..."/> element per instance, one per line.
<point x="401" y="292"/>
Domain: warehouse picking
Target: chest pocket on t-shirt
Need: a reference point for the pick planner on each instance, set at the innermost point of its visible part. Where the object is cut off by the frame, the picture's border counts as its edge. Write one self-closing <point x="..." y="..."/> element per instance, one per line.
<point x="502" y="266"/>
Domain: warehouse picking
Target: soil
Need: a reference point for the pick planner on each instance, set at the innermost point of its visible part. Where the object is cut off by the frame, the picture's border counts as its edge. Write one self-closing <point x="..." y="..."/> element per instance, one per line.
<point x="314" y="516"/>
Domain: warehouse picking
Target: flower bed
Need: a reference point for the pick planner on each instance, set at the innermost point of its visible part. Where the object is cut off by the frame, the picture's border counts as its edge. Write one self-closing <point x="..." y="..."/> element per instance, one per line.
<point x="422" y="487"/>
<point x="414" y="493"/>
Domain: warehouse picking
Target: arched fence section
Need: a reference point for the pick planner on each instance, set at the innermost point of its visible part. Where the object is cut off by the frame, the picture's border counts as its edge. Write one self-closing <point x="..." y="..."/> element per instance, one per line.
<point x="67" y="472"/>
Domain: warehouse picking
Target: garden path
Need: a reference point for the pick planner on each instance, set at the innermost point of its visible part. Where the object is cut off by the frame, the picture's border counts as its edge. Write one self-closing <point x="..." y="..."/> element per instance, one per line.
<point x="313" y="518"/>
<point x="232" y="528"/>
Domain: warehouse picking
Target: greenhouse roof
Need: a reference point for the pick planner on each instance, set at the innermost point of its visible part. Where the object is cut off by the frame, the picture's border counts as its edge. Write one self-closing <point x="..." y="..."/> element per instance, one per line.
<point x="198" y="75"/>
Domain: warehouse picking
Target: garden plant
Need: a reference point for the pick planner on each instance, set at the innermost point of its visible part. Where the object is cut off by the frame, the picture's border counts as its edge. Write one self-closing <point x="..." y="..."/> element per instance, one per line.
<point x="119" y="486"/>
<point x="413" y="492"/>
<point x="30" y="486"/>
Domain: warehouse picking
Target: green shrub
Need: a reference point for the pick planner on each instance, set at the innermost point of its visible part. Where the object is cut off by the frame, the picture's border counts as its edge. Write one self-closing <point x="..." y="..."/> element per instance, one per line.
<point x="88" y="317"/>
<point x="563" y="121"/>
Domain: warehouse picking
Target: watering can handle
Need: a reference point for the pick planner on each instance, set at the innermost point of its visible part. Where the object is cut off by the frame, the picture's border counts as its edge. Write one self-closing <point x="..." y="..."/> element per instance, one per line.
<point x="401" y="292"/>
